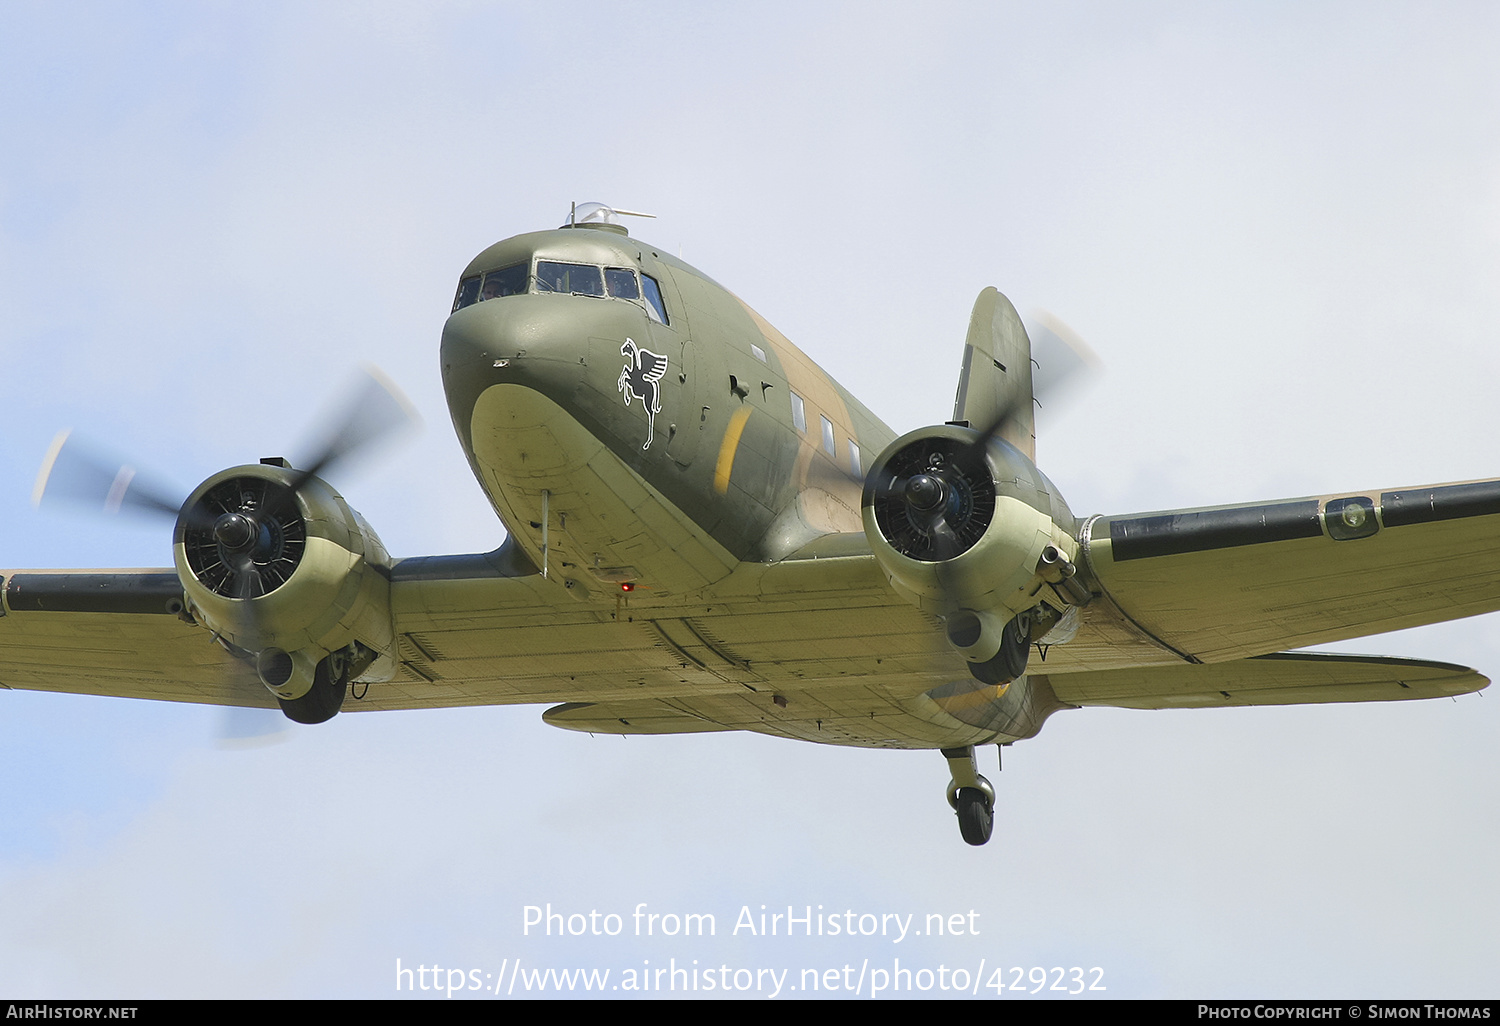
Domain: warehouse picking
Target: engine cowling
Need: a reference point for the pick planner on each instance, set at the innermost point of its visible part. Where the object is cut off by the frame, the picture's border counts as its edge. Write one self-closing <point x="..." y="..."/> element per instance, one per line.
<point x="287" y="575"/>
<point x="960" y="525"/>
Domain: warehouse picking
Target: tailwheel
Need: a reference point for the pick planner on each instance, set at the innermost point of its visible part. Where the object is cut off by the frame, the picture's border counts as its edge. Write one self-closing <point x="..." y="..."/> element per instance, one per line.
<point x="976" y="815"/>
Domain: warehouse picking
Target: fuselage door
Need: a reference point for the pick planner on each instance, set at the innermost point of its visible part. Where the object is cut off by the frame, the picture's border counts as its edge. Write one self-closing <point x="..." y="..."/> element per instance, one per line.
<point x="687" y="413"/>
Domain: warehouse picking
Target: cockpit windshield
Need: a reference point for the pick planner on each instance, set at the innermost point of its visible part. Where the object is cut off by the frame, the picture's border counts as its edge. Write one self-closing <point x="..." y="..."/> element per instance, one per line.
<point x="621" y="282"/>
<point x="568" y="279"/>
<point x="468" y="293"/>
<point x="508" y="282"/>
<point x="576" y="279"/>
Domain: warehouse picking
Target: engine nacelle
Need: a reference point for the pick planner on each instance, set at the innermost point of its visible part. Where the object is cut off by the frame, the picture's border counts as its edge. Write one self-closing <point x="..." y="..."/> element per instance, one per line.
<point x="961" y="529"/>
<point x="280" y="567"/>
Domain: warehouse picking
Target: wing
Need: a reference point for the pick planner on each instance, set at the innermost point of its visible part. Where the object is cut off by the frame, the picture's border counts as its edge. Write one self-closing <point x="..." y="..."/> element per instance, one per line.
<point x="115" y="632"/>
<point x="1183" y="600"/>
<point x="487" y="629"/>
<point x="479" y="629"/>
<point x="1231" y="582"/>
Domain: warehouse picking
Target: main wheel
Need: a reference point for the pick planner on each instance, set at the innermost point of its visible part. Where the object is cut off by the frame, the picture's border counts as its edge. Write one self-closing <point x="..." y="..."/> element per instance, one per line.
<point x="1015" y="652"/>
<point x="976" y="820"/>
<point x="326" y="697"/>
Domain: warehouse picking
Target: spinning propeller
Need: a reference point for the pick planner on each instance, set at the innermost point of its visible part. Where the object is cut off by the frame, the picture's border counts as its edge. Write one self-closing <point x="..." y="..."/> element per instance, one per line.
<point x="71" y="473"/>
<point x="244" y="536"/>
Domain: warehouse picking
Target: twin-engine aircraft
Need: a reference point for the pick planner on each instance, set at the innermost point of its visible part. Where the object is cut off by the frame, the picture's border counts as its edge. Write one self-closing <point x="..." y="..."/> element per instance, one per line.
<point x="706" y="532"/>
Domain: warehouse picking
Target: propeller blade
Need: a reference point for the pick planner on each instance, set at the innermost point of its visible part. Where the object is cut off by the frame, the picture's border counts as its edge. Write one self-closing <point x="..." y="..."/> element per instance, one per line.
<point x="73" y="474"/>
<point x="1063" y="361"/>
<point x="945" y="544"/>
<point x="240" y="727"/>
<point x="375" y="409"/>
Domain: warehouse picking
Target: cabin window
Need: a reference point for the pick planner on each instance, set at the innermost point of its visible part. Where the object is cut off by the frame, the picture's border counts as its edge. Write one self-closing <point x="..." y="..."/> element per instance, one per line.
<point x="620" y="281"/>
<point x="760" y="354"/>
<point x="799" y="413"/>
<point x="508" y="282"/>
<point x="827" y="434"/>
<point x="854" y="467"/>
<point x="571" y="279"/>
<point x="468" y="293"/>
<point x="653" y="298"/>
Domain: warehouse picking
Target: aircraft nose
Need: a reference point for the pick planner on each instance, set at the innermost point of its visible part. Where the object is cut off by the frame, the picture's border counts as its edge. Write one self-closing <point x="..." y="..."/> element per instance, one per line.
<point x="530" y="336"/>
<point x="534" y="341"/>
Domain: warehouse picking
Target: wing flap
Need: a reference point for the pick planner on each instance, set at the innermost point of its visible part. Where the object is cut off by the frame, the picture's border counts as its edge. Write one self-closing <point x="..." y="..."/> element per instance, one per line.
<point x="1283" y="678"/>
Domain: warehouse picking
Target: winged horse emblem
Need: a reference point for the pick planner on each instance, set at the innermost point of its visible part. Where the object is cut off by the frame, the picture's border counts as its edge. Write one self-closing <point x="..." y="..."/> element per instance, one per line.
<point x="641" y="379"/>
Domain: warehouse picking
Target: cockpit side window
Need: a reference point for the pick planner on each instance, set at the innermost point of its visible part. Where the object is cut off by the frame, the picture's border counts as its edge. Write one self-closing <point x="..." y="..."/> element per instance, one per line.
<point x="653" y="298"/>
<point x="510" y="281"/>
<point x="468" y="293"/>
<point x="621" y="283"/>
<point x="575" y="279"/>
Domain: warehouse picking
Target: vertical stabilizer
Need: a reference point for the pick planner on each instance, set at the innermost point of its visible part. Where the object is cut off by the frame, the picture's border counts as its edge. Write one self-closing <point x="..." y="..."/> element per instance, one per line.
<point x="996" y="378"/>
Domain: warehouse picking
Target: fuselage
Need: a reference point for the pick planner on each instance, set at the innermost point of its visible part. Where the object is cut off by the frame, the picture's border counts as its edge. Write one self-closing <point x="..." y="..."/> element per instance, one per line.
<point x="643" y="433"/>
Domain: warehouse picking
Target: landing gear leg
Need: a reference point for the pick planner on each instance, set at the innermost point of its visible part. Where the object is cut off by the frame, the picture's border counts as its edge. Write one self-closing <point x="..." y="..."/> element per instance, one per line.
<point x="971" y="796"/>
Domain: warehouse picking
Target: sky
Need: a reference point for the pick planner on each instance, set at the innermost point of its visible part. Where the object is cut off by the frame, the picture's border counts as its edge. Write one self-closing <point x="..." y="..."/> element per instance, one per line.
<point x="1277" y="224"/>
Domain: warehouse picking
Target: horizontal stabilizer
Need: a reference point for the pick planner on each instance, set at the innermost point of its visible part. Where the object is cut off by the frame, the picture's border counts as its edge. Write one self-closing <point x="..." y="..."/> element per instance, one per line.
<point x="1285" y="678"/>
<point x="626" y="718"/>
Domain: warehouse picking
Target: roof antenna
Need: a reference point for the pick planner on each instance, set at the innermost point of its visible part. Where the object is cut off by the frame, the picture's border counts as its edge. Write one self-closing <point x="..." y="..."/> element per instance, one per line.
<point x="573" y="214"/>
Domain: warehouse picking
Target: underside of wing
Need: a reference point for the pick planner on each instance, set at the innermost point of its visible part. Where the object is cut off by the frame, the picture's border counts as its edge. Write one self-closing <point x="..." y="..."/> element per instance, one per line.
<point x="1223" y="583"/>
<point x="479" y="630"/>
<point x="823" y="616"/>
<point x="1284" y="678"/>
